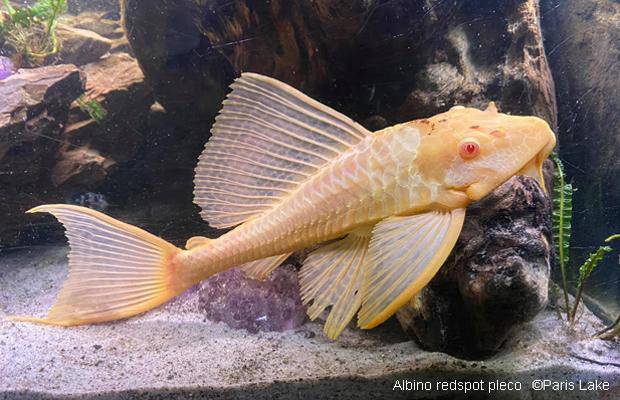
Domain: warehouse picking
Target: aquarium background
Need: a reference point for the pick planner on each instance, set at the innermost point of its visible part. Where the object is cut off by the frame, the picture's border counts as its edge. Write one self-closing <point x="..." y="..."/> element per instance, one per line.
<point x="582" y="43"/>
<point x="369" y="60"/>
<point x="108" y="105"/>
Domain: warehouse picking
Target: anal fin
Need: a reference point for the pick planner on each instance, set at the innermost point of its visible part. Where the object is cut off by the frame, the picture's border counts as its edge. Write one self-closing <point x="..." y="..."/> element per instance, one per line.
<point x="260" y="269"/>
<point x="332" y="275"/>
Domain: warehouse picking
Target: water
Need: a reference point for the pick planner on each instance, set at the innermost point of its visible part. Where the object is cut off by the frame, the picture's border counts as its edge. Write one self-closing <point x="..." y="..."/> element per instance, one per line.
<point x="585" y="111"/>
<point x="107" y="105"/>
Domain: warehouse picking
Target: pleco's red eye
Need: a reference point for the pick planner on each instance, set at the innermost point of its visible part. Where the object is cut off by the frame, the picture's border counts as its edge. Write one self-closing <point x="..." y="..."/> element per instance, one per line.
<point x="469" y="148"/>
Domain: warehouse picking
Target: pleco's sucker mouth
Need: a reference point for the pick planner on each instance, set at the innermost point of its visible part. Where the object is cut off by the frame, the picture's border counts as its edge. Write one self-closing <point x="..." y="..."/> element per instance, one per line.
<point x="533" y="169"/>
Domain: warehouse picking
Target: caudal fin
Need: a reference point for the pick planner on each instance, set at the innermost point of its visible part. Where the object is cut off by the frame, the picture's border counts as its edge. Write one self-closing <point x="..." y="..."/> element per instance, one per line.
<point x="116" y="270"/>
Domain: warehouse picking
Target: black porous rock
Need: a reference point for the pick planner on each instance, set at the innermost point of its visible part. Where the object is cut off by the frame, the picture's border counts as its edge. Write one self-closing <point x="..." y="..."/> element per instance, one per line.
<point x="495" y="279"/>
<point x="34" y="107"/>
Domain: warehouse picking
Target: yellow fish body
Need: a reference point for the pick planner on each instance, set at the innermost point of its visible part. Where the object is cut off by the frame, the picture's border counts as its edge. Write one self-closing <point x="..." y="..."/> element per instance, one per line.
<point x="290" y="172"/>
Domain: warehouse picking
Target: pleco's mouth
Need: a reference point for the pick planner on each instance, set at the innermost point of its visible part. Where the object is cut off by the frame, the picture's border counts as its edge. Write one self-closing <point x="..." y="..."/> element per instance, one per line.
<point x="534" y="169"/>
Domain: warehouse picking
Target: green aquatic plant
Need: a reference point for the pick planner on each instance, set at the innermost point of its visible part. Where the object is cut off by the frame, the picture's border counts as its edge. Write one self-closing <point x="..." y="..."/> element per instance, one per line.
<point x="93" y="108"/>
<point x="562" y="216"/>
<point x="609" y="332"/>
<point x="585" y="271"/>
<point x="30" y="32"/>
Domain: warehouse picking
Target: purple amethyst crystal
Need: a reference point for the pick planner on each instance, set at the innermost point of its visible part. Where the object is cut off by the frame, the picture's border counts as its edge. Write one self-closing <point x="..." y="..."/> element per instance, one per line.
<point x="244" y="303"/>
<point x="6" y="67"/>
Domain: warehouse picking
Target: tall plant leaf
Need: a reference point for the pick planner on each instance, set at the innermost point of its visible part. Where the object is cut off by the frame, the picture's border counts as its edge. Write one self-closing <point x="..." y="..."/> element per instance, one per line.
<point x="562" y="215"/>
<point x="562" y="211"/>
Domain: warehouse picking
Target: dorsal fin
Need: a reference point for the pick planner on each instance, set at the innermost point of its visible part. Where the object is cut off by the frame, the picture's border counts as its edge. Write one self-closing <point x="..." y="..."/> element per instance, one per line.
<point x="268" y="139"/>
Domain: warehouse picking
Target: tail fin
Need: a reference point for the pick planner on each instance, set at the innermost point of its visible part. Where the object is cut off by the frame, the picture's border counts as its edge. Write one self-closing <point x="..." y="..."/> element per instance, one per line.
<point x="116" y="270"/>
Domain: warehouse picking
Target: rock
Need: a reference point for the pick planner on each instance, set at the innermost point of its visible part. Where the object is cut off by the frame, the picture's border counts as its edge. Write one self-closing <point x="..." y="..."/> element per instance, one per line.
<point x="35" y="102"/>
<point x="92" y="149"/>
<point x="75" y="154"/>
<point x="583" y="42"/>
<point x="464" y="67"/>
<point x="121" y="45"/>
<point x="103" y="23"/>
<point x="82" y="166"/>
<point x="117" y="85"/>
<point x="169" y="45"/>
<point x="174" y="353"/>
<point x="34" y="108"/>
<point x="495" y="280"/>
<point x="399" y="61"/>
<point x="80" y="46"/>
<point x="244" y="303"/>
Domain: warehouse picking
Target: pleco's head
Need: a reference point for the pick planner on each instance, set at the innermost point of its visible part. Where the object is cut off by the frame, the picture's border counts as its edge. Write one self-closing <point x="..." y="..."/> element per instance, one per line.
<point x="481" y="150"/>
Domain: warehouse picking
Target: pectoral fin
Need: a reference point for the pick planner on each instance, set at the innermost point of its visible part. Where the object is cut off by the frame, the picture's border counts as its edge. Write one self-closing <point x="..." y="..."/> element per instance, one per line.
<point x="404" y="255"/>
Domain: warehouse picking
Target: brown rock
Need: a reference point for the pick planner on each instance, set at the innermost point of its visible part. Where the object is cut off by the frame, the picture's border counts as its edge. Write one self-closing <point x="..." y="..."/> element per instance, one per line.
<point x="102" y="23"/>
<point x="33" y="111"/>
<point x="114" y="74"/>
<point x="121" y="45"/>
<point x="495" y="279"/>
<point x="80" y="166"/>
<point x="80" y="46"/>
<point x="106" y="24"/>
<point x="35" y="104"/>
<point x="116" y="82"/>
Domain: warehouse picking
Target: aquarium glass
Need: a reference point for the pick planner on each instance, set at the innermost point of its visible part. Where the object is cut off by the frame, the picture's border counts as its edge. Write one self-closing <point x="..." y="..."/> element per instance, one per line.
<point x="310" y="199"/>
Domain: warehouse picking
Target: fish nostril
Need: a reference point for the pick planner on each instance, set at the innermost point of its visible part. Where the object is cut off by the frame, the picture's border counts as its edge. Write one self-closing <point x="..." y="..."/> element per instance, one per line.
<point x="498" y="134"/>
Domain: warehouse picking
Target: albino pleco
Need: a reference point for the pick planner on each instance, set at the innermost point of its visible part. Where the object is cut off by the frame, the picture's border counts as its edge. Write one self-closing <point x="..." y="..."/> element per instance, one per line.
<point x="289" y="172"/>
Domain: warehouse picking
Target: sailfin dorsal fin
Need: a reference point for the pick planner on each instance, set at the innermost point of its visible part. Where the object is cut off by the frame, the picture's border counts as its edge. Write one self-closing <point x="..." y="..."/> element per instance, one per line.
<point x="332" y="275"/>
<point x="260" y="269"/>
<point x="404" y="255"/>
<point x="268" y="139"/>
